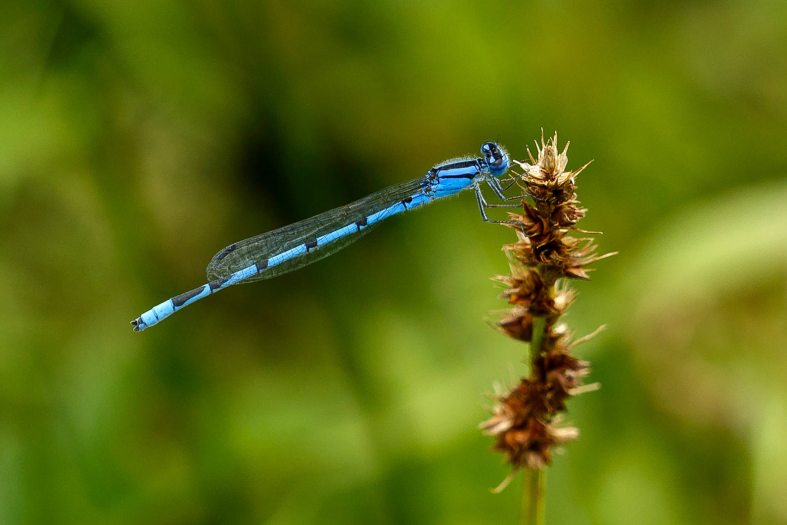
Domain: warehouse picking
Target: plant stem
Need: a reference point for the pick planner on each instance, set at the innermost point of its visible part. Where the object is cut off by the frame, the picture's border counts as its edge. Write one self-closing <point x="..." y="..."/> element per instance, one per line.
<point x="533" y="497"/>
<point x="533" y="488"/>
<point x="539" y="326"/>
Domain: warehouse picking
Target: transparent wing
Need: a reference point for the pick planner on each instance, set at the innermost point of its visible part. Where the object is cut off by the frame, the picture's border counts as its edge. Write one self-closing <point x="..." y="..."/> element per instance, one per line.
<point x="258" y="249"/>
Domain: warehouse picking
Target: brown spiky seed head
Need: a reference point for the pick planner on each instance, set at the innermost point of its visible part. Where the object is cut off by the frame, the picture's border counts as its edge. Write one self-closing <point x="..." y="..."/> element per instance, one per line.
<point x="525" y="421"/>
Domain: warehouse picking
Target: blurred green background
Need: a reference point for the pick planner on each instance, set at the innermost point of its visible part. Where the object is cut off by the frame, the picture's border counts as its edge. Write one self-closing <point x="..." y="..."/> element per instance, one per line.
<point x="138" y="138"/>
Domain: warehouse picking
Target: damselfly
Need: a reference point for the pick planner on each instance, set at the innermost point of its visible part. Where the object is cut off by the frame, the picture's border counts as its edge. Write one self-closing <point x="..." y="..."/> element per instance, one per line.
<point x="296" y="245"/>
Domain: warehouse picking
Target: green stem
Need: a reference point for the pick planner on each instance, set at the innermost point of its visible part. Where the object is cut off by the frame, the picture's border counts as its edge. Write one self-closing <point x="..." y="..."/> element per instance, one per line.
<point x="533" y="487"/>
<point x="539" y="327"/>
<point x="533" y="497"/>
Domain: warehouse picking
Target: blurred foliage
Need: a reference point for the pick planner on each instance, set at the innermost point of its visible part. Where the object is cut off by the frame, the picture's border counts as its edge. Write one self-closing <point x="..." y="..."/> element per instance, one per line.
<point x="138" y="138"/>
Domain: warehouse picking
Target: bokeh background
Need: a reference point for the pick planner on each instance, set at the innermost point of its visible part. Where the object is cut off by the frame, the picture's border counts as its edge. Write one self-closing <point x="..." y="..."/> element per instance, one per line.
<point x="138" y="138"/>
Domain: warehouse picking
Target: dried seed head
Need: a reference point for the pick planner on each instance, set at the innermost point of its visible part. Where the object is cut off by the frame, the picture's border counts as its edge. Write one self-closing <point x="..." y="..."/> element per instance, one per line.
<point x="525" y="438"/>
<point x="524" y="421"/>
<point x="518" y="324"/>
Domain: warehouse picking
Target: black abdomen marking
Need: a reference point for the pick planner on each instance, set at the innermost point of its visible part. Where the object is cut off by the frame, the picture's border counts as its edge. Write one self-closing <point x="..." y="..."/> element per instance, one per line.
<point x="218" y="283"/>
<point x="179" y="300"/>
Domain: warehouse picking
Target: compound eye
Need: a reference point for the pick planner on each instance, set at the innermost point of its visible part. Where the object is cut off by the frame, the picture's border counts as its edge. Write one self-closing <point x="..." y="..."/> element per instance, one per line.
<point x="495" y="157"/>
<point x="492" y="153"/>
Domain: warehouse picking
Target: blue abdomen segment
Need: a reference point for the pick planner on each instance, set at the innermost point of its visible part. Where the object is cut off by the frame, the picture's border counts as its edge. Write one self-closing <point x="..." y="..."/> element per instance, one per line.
<point x="286" y="256"/>
<point x="338" y="234"/>
<point x="170" y="306"/>
<point x="419" y="200"/>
